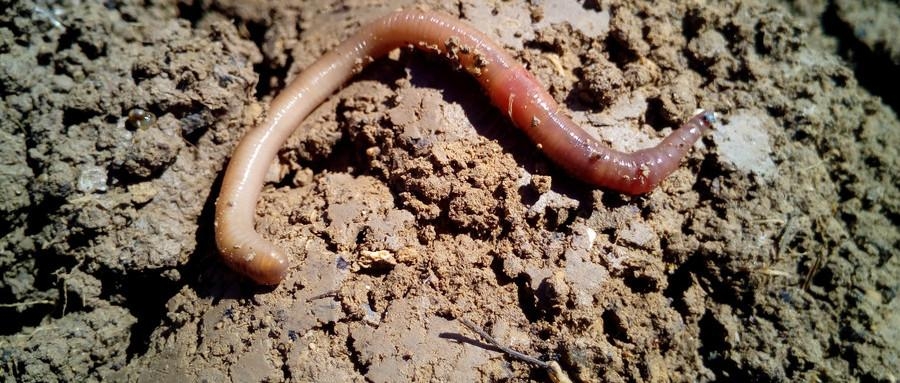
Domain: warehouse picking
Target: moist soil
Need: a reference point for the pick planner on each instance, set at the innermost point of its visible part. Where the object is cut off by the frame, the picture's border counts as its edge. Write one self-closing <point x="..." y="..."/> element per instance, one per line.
<point x="407" y="202"/>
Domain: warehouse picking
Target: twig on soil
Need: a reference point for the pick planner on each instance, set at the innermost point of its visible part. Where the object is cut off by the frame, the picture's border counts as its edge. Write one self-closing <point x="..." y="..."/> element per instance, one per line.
<point x="557" y="375"/>
<point x="511" y="352"/>
<point x="328" y="294"/>
<point x="19" y="305"/>
<point x="821" y="256"/>
<point x="812" y="272"/>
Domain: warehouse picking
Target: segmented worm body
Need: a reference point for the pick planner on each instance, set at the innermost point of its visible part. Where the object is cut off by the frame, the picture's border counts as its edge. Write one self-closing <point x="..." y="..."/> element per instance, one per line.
<point x="509" y="86"/>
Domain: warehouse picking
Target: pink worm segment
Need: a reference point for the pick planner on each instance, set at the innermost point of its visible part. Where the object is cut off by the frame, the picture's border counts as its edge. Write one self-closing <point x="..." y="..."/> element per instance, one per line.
<point x="510" y="87"/>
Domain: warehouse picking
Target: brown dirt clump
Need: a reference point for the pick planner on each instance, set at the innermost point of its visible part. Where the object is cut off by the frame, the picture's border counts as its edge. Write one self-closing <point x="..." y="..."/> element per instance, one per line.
<point x="408" y="202"/>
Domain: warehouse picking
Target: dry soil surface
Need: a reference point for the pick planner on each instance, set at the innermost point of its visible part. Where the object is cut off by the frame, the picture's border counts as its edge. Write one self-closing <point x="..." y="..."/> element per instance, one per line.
<point x="407" y="202"/>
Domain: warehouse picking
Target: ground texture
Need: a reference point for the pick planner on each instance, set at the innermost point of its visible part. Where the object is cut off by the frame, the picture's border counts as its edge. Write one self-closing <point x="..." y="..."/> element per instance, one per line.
<point x="408" y="202"/>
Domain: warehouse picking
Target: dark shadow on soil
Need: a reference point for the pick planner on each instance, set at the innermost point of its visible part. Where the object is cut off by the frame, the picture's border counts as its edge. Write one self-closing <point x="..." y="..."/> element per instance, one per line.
<point x="203" y="272"/>
<point x="874" y="70"/>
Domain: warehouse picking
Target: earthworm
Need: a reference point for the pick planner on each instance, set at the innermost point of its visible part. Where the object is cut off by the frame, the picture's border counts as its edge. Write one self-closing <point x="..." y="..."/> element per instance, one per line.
<point x="508" y="84"/>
